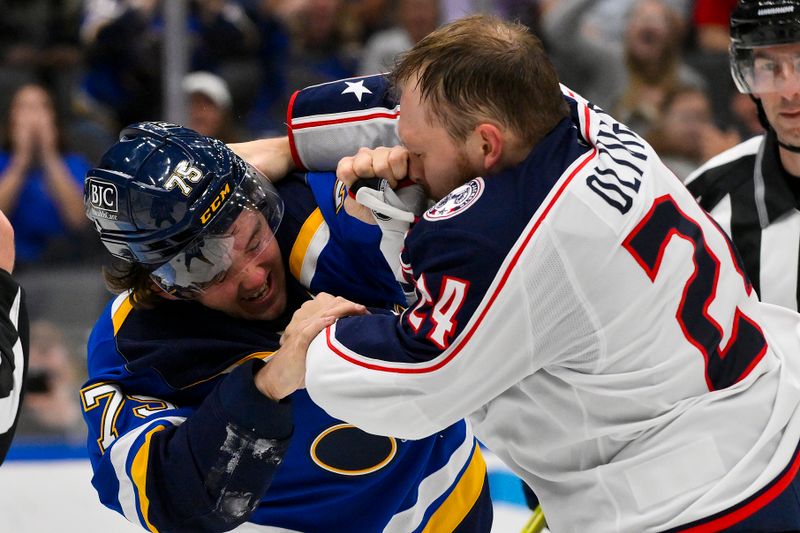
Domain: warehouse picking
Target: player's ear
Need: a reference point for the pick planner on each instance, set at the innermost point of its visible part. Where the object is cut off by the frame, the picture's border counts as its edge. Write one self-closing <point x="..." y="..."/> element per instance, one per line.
<point x="486" y="145"/>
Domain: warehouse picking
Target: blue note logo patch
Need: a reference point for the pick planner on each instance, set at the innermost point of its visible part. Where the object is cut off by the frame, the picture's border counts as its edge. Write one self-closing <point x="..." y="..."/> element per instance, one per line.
<point x="346" y="450"/>
<point x="456" y="202"/>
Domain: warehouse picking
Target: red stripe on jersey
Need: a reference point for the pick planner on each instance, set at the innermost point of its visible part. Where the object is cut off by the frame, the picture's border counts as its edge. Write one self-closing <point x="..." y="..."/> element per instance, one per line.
<point x="295" y="155"/>
<point x="745" y="510"/>
<point x="345" y="120"/>
<point x="457" y="348"/>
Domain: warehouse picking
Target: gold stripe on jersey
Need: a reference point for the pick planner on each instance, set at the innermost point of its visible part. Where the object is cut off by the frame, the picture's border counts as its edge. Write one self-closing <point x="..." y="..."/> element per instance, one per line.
<point x="139" y="476"/>
<point x="460" y="502"/>
<point x="311" y="239"/>
<point x="121" y="311"/>
<point x="255" y="355"/>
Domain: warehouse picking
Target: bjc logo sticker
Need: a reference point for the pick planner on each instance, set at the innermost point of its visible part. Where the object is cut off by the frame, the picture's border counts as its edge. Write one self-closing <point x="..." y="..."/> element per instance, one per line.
<point x="103" y="195"/>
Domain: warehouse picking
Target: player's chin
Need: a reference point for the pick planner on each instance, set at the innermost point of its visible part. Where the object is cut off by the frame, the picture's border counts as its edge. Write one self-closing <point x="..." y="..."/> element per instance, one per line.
<point x="263" y="310"/>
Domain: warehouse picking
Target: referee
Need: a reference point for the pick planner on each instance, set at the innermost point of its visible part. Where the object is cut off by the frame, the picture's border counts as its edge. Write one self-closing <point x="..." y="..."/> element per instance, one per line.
<point x="753" y="189"/>
<point x="13" y="339"/>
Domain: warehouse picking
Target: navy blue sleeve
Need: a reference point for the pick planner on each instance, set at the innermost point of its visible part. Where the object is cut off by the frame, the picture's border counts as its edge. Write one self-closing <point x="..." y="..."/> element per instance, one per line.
<point x="210" y="472"/>
<point x="182" y="468"/>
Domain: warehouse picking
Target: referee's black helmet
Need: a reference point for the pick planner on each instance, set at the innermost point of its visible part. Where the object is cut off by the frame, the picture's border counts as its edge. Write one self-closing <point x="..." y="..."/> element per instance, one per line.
<point x="758" y="23"/>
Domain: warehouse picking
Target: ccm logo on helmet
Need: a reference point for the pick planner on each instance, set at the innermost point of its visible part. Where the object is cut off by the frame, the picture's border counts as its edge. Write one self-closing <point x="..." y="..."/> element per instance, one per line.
<point x="216" y="204"/>
<point x="103" y="195"/>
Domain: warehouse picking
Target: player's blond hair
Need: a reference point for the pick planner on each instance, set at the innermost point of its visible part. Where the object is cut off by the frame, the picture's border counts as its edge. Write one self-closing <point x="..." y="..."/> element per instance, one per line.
<point x="482" y="68"/>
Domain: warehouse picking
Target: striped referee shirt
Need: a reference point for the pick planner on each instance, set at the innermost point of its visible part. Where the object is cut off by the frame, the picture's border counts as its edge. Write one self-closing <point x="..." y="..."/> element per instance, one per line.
<point x="748" y="192"/>
<point x="13" y="356"/>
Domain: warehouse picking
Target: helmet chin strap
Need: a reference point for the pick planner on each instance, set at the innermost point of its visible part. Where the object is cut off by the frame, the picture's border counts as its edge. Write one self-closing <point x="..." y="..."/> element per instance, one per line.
<point x="762" y="117"/>
<point x="795" y="149"/>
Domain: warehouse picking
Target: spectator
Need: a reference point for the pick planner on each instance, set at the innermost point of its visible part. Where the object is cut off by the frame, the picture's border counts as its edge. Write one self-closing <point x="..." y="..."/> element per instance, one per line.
<point x="415" y="19"/>
<point x="224" y="33"/>
<point x="456" y="9"/>
<point x="39" y="41"/>
<point x="225" y="40"/>
<point x="685" y="136"/>
<point x="711" y="21"/>
<point x="51" y="410"/>
<point x="303" y="42"/>
<point x="324" y="47"/>
<point x="607" y="19"/>
<point x="630" y="80"/>
<point x="653" y="46"/>
<point x="13" y="339"/>
<point x="41" y="187"/>
<point x="372" y="16"/>
<point x="708" y="55"/>
<point x="210" y="106"/>
<point x="121" y="39"/>
<point x="745" y="117"/>
<point x="267" y="112"/>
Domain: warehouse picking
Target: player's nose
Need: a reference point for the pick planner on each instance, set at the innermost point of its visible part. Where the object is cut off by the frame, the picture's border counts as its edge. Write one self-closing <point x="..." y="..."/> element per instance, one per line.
<point x="253" y="276"/>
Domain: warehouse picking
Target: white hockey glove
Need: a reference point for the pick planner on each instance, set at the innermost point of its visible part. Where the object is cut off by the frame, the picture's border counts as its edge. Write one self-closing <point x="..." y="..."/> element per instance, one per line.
<point x="394" y="211"/>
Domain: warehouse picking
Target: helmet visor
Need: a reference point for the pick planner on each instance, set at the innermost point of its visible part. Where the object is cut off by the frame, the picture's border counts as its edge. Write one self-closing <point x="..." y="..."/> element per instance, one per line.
<point x="236" y="235"/>
<point x="766" y="69"/>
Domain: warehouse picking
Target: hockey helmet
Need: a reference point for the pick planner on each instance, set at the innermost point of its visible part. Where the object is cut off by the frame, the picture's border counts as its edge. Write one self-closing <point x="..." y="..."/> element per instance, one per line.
<point x="165" y="197"/>
<point x="756" y="24"/>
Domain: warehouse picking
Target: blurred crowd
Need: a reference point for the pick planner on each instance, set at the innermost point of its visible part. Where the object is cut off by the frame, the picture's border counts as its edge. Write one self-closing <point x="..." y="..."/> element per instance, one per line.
<point x="73" y="72"/>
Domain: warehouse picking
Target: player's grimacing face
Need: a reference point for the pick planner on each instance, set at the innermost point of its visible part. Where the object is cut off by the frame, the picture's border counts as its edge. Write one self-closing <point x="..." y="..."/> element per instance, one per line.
<point x="254" y="287"/>
<point x="436" y="161"/>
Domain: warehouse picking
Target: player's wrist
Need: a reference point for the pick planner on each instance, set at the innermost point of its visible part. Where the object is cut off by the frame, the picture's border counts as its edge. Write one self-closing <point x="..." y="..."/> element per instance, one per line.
<point x="269" y="384"/>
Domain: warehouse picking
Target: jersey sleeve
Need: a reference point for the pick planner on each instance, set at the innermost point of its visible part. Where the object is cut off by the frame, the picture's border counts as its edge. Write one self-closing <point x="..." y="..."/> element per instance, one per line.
<point x="332" y="120"/>
<point x="173" y="467"/>
<point x="416" y="369"/>
<point x="355" y="256"/>
<point x="13" y="356"/>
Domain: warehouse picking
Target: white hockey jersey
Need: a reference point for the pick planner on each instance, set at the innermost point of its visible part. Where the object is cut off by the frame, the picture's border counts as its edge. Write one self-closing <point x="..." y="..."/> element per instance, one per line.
<point x="595" y="325"/>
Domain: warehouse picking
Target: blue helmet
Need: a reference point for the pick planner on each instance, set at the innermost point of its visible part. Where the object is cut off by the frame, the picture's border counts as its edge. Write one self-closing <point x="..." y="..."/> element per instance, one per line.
<point x="164" y="197"/>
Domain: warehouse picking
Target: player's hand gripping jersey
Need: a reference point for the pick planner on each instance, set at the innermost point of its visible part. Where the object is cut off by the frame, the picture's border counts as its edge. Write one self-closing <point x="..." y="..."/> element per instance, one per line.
<point x="549" y="311"/>
<point x="180" y="439"/>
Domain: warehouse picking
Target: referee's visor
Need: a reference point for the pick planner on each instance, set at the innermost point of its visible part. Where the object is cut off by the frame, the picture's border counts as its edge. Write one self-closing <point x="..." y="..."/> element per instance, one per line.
<point x="766" y="69"/>
<point x="236" y="235"/>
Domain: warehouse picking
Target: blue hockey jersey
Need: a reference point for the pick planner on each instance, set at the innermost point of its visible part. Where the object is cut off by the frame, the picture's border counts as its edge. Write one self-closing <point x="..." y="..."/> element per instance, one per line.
<point x="181" y="440"/>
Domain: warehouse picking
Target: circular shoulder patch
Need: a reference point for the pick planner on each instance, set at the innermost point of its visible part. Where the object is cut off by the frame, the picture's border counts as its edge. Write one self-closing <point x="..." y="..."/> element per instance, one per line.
<point x="456" y="202"/>
<point x="345" y="449"/>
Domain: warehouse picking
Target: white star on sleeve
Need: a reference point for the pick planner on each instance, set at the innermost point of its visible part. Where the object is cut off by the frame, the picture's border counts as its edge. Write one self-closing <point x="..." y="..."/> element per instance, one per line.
<point x="357" y="88"/>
